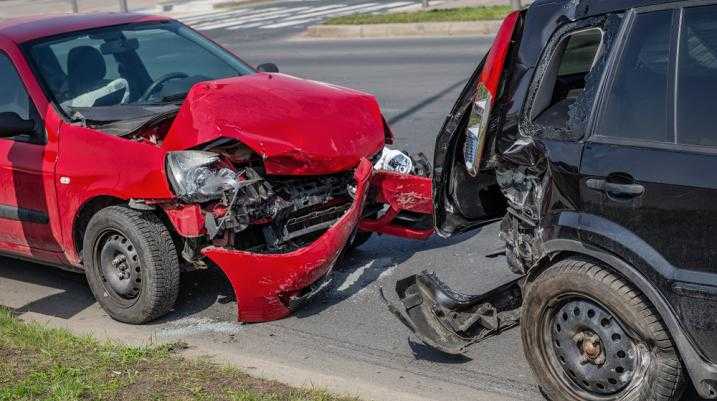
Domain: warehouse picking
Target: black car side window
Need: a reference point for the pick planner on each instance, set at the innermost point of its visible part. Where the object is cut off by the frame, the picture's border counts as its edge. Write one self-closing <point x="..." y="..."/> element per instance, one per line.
<point x="637" y="105"/>
<point x="15" y="99"/>
<point x="697" y="77"/>
<point x="13" y="96"/>
<point x="563" y="92"/>
<point x="565" y="77"/>
<point x="564" y="80"/>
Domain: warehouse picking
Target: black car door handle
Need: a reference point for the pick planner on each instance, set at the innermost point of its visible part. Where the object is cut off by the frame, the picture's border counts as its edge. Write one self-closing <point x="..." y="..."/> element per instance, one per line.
<point x="621" y="190"/>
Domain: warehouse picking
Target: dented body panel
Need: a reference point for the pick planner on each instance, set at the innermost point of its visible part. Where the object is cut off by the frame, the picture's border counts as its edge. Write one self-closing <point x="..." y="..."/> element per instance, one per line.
<point x="266" y="286"/>
<point x="542" y="181"/>
<point x="402" y="193"/>
<point x="310" y="135"/>
<point x="286" y="166"/>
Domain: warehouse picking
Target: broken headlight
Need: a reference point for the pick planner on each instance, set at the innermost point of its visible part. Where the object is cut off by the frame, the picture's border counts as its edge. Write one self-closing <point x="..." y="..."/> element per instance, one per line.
<point x="394" y="160"/>
<point x="198" y="176"/>
<point x="476" y="132"/>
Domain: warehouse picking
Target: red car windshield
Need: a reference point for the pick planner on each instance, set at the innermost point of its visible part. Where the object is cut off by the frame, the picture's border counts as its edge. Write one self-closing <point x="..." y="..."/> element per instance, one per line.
<point x="129" y="66"/>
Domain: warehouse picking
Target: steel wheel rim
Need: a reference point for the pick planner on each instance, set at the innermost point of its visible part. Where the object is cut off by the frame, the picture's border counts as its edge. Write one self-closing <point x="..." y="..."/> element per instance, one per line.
<point x="119" y="268"/>
<point x="632" y="362"/>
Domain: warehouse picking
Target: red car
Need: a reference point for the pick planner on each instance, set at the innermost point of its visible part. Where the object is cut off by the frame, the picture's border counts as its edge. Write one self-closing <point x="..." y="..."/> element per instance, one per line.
<point x="132" y="148"/>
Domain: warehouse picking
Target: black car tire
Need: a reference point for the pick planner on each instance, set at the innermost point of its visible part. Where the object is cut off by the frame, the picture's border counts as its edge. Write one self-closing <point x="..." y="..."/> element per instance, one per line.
<point x="144" y="264"/>
<point x="657" y="373"/>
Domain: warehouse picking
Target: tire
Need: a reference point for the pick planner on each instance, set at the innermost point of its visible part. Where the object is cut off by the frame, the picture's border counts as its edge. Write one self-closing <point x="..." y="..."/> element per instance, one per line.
<point x="588" y="335"/>
<point x="359" y="239"/>
<point x="131" y="264"/>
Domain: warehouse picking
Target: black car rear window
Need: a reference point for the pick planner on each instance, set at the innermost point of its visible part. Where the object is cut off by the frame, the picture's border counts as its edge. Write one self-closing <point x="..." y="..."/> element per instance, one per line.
<point x="697" y="77"/>
<point x="638" y="103"/>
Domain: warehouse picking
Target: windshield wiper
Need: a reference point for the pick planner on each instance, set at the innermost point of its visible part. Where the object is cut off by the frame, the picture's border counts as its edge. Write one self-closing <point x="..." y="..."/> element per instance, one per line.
<point x="174" y="98"/>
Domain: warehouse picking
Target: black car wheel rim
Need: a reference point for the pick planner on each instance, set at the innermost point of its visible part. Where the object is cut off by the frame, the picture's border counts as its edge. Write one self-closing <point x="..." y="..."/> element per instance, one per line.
<point x="592" y="348"/>
<point x="119" y="267"/>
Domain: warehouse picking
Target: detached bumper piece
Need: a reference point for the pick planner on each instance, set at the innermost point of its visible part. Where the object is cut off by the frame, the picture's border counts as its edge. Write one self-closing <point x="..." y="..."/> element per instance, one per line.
<point x="449" y="321"/>
<point x="410" y="206"/>
<point x="269" y="286"/>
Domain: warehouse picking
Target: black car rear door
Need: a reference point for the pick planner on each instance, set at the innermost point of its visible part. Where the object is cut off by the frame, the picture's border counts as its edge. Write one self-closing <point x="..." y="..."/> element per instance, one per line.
<point x="650" y="168"/>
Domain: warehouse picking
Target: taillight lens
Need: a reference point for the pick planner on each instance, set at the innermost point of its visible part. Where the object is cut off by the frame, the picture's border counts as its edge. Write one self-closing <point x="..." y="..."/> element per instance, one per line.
<point x="477" y="127"/>
<point x="486" y="93"/>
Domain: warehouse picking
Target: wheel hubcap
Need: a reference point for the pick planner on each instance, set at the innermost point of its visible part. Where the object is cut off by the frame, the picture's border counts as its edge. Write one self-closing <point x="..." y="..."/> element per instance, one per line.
<point x="592" y="348"/>
<point x="120" y="267"/>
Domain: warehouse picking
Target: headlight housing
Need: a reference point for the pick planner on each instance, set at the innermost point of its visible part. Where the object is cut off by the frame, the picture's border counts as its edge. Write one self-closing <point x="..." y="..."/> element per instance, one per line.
<point x="198" y="176"/>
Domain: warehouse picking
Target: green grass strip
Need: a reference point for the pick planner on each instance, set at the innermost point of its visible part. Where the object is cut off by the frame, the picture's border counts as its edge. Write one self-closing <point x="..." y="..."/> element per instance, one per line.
<point x="38" y="363"/>
<point x="447" y="15"/>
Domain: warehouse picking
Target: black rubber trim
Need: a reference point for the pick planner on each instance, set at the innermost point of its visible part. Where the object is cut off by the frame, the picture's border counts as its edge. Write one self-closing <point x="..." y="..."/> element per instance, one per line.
<point x="702" y="372"/>
<point x="21" y="214"/>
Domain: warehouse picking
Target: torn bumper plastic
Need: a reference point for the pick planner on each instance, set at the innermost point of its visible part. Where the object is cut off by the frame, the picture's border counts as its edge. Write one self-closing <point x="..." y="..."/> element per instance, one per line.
<point x="269" y="286"/>
<point x="450" y="321"/>
<point x="402" y="193"/>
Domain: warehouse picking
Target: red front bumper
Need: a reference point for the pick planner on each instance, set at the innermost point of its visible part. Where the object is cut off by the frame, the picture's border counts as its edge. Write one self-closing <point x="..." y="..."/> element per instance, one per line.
<point x="265" y="283"/>
<point x="402" y="193"/>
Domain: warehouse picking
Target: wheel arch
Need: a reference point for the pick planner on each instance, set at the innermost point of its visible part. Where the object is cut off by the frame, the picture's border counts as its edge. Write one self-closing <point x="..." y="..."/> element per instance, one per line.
<point x="702" y="373"/>
<point x="83" y="216"/>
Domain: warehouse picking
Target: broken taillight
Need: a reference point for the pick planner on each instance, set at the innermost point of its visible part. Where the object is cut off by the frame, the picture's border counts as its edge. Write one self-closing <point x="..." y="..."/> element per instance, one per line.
<point x="488" y="84"/>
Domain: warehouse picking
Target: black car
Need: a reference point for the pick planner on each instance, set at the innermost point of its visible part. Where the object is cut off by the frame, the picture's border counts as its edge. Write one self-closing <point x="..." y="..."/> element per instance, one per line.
<point x="590" y="132"/>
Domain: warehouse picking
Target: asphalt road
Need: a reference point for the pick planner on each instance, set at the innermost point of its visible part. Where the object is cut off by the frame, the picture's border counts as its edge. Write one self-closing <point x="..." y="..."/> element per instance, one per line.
<point x="346" y="339"/>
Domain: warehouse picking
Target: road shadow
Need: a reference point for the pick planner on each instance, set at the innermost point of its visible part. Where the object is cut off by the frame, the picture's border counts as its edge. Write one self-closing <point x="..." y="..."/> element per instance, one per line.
<point x="363" y="266"/>
<point x="425" y="353"/>
<point x="200" y="291"/>
<point x="70" y="292"/>
<point x="207" y="293"/>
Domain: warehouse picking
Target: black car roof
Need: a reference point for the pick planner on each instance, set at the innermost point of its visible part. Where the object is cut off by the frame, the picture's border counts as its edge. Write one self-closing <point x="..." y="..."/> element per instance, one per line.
<point x="544" y="17"/>
<point x="595" y="7"/>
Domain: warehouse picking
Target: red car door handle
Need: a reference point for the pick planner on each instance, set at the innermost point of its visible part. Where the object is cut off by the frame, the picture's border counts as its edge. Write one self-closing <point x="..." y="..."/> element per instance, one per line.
<point x="618" y="190"/>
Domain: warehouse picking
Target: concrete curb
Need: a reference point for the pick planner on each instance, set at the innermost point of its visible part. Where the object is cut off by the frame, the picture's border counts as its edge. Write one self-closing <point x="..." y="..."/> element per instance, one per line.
<point x="463" y="28"/>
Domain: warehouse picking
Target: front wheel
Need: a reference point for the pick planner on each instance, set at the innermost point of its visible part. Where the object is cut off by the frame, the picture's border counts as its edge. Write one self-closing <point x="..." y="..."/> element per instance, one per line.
<point x="589" y="335"/>
<point x="131" y="264"/>
<point x="360" y="238"/>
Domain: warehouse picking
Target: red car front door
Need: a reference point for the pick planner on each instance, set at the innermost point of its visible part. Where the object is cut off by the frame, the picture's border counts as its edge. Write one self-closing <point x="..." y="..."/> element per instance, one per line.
<point x="26" y="184"/>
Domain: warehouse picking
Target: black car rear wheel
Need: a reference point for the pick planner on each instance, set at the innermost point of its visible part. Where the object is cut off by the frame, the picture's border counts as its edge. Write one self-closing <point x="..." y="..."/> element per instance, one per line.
<point x="131" y="264"/>
<point x="590" y="336"/>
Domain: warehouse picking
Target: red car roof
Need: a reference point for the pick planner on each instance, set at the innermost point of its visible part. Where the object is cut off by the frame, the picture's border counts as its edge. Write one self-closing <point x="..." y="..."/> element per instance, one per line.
<point x="25" y="29"/>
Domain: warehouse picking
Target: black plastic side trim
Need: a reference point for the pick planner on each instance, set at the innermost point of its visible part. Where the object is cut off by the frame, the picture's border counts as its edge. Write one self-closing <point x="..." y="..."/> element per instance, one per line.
<point x="21" y="214"/>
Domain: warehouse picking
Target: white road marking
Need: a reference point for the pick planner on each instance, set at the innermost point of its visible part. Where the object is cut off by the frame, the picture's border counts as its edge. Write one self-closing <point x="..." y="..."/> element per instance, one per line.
<point x="251" y="22"/>
<point x="195" y="18"/>
<point x="355" y="275"/>
<point x="368" y="9"/>
<point x="334" y="11"/>
<point x="289" y="23"/>
<point x="240" y="22"/>
<point x="280" y="17"/>
<point x="364" y="276"/>
<point x="223" y="15"/>
<point x="249" y="18"/>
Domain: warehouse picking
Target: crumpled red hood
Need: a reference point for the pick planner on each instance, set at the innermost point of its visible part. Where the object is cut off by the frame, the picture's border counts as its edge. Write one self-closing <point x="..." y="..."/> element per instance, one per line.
<point x="299" y="127"/>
